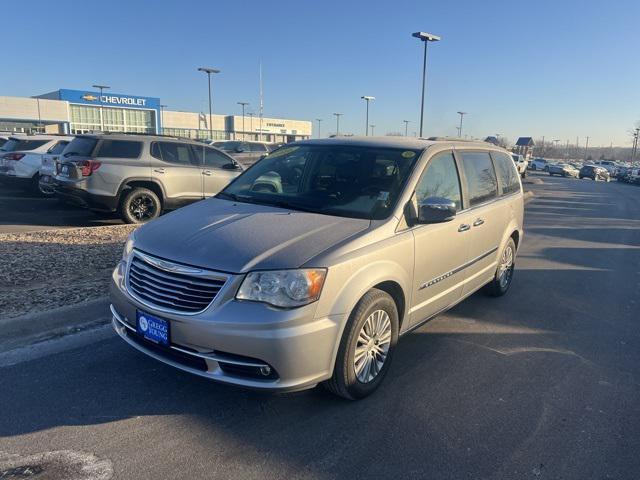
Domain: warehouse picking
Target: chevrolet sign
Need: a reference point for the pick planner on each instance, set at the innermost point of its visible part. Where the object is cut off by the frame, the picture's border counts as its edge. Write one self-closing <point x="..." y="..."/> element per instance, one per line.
<point x="116" y="100"/>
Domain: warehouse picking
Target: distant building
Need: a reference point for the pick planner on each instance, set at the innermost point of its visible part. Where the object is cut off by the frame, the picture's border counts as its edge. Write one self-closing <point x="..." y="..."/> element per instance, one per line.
<point x="524" y="146"/>
<point x="83" y="111"/>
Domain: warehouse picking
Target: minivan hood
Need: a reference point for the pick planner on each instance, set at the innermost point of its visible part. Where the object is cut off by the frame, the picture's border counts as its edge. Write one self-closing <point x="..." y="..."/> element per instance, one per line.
<point x="238" y="237"/>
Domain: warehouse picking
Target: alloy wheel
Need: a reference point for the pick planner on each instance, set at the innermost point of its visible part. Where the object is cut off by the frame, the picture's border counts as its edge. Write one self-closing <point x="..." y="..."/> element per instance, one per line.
<point x="142" y="207"/>
<point x="505" y="270"/>
<point x="372" y="346"/>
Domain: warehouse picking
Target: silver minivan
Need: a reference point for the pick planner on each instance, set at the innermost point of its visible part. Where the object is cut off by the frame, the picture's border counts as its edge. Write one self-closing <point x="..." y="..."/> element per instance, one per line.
<point x="310" y="265"/>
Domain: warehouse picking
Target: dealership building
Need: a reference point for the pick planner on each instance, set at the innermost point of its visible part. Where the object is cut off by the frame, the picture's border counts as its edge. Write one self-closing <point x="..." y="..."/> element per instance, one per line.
<point x="81" y="111"/>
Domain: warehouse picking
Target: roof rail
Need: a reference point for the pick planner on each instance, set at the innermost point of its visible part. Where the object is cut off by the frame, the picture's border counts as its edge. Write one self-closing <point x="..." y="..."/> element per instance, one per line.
<point x="453" y="139"/>
<point x="100" y="132"/>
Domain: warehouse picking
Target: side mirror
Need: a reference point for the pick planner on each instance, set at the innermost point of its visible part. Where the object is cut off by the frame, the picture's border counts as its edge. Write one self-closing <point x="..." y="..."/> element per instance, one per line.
<point x="239" y="149"/>
<point x="436" y="210"/>
<point x="230" y="166"/>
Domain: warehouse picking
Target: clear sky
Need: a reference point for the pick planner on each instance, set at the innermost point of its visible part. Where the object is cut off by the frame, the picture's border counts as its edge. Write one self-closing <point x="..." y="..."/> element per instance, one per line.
<point x="561" y="68"/>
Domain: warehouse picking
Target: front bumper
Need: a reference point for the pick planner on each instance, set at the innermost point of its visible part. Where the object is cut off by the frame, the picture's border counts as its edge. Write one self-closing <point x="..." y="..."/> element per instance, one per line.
<point x="234" y="342"/>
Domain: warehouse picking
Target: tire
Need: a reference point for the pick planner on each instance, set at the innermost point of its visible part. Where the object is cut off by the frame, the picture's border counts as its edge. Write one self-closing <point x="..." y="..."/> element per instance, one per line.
<point x="523" y="175"/>
<point x="534" y="168"/>
<point x="499" y="286"/>
<point x="546" y="169"/>
<point x="143" y="201"/>
<point x="345" y="382"/>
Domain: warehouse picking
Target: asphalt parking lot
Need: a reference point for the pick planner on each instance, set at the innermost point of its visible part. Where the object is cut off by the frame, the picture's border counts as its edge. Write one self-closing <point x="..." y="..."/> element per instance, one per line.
<point x="541" y="383"/>
<point x="26" y="212"/>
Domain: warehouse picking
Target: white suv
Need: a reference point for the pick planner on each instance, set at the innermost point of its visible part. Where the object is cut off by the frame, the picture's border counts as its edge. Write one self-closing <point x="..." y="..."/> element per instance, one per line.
<point x="21" y="157"/>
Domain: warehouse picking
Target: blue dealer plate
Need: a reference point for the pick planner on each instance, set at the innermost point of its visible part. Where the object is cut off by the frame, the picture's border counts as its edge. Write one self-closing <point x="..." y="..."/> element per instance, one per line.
<point x="152" y="328"/>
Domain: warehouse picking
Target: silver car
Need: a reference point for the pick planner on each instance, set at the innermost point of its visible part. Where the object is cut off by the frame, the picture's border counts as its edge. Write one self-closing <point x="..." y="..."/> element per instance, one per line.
<point x="311" y="265"/>
<point x="140" y="176"/>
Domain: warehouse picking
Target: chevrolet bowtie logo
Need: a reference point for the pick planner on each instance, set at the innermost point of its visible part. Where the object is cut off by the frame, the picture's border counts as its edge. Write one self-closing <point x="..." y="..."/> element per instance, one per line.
<point x="89" y="97"/>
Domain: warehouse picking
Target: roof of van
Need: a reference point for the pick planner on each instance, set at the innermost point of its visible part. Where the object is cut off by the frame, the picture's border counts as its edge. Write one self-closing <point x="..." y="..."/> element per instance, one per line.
<point x="416" y="143"/>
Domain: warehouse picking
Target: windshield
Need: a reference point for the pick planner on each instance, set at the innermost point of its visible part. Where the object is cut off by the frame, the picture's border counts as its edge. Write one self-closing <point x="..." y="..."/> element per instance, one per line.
<point x="228" y="146"/>
<point x="80" y="146"/>
<point x="347" y="181"/>
<point x="15" y="145"/>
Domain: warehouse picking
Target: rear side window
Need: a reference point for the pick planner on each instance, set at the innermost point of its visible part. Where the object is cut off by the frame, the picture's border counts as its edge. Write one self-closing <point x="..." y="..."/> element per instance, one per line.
<point x="172" y="152"/>
<point x="481" y="177"/>
<point x="58" y="148"/>
<point x="506" y="172"/>
<point x="440" y="179"/>
<point x="119" y="149"/>
<point x="15" y="145"/>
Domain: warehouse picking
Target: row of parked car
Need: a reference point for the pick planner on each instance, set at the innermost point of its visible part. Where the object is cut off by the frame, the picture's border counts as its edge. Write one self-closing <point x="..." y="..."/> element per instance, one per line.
<point x="601" y="170"/>
<point x="138" y="176"/>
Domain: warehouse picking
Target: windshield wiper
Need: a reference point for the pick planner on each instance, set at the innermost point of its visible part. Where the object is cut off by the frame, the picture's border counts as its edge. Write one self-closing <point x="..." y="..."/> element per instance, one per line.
<point x="289" y="206"/>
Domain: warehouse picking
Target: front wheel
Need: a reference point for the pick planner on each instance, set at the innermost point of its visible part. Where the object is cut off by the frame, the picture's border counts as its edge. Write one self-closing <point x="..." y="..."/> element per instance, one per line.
<point x="140" y="205"/>
<point x="366" y="347"/>
<point x="504" y="273"/>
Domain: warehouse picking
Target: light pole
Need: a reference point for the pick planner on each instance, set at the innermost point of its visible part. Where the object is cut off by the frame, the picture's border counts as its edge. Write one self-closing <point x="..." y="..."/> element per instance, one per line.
<point x="318" y="120"/>
<point x="338" y="115"/>
<point x="101" y="88"/>
<point x="162" y="107"/>
<point x="372" y="127"/>
<point x="426" y="38"/>
<point x="367" y="98"/>
<point x="406" y="127"/>
<point x="586" y="148"/>
<point x="209" y="71"/>
<point x="462" y="114"/>
<point x="244" y="104"/>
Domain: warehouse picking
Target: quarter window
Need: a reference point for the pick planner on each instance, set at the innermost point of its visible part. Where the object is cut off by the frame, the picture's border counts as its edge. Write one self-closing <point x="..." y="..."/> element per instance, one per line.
<point x="58" y="148"/>
<point x="119" y="149"/>
<point x="481" y="177"/>
<point x="440" y="179"/>
<point x="507" y="173"/>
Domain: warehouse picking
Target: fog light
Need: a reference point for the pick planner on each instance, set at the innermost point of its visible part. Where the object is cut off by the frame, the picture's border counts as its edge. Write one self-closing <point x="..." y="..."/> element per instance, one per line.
<point x="266" y="371"/>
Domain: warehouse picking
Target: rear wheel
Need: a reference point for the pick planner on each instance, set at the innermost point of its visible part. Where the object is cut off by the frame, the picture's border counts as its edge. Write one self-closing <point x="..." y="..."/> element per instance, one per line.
<point x="504" y="273"/>
<point x="140" y="205"/>
<point x="366" y="347"/>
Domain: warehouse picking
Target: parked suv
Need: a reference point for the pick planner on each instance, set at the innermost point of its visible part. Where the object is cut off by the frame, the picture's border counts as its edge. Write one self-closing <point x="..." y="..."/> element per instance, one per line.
<point x="539" y="164"/>
<point x="594" y="172"/>
<point x="21" y="157"/>
<point x="246" y="153"/>
<point x="360" y="241"/>
<point x="140" y="175"/>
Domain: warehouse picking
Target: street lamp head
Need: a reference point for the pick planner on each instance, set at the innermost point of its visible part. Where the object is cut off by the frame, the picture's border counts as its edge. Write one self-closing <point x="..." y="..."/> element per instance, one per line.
<point x="462" y="113"/>
<point x="426" y="37"/>
<point x="367" y="97"/>
<point x="208" y="70"/>
<point x="242" y="103"/>
<point x="101" y="87"/>
<point x="338" y="114"/>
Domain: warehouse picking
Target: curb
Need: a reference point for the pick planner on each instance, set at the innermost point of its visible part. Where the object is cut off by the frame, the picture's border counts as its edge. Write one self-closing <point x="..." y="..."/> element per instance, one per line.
<point x="28" y="329"/>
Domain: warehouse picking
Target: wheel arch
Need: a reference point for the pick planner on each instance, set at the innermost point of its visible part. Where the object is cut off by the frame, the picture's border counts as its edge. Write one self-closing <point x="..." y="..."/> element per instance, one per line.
<point x="141" y="182"/>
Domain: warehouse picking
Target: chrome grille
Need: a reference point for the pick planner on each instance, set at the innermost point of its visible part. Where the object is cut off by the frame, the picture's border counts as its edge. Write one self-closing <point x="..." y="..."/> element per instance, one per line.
<point x="169" y="286"/>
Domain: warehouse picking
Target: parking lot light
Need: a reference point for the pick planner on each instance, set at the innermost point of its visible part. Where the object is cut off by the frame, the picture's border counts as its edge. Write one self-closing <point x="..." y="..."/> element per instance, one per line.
<point x="406" y="127"/>
<point x="318" y="120"/>
<point x="338" y="115"/>
<point x="367" y="98"/>
<point x="426" y="38"/>
<point x="209" y="71"/>
<point x="101" y="88"/>
<point x="462" y="114"/>
<point x="162" y="107"/>
<point x="244" y="104"/>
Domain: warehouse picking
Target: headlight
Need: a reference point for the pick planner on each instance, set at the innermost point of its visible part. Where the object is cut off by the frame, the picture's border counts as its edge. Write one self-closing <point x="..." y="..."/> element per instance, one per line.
<point x="128" y="247"/>
<point x="283" y="288"/>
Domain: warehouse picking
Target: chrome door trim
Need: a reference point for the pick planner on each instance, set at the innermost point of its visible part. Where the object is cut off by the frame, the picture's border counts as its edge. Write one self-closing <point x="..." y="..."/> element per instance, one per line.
<point x="444" y="276"/>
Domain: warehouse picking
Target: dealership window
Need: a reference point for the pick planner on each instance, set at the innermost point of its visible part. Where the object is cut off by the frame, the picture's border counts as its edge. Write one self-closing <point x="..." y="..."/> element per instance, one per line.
<point x="86" y="118"/>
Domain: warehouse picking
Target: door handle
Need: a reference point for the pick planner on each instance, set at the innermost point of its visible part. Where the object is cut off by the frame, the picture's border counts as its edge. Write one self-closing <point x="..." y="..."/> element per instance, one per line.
<point x="158" y="170"/>
<point x="206" y="172"/>
<point x="464" y="227"/>
<point x="478" y="222"/>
